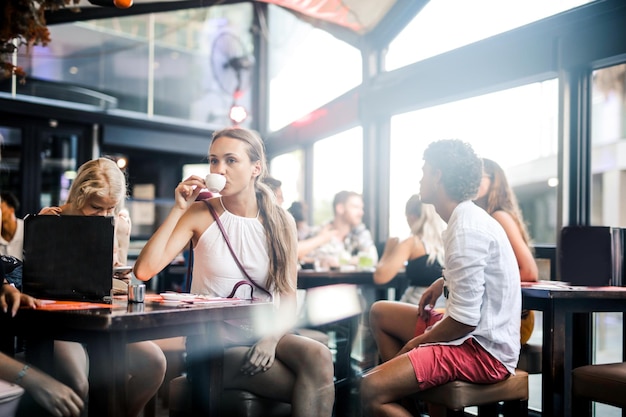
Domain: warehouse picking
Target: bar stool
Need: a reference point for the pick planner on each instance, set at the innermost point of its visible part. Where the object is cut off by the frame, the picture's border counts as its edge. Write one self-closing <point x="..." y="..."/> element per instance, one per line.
<point x="604" y="383"/>
<point x="456" y="395"/>
<point x="235" y="403"/>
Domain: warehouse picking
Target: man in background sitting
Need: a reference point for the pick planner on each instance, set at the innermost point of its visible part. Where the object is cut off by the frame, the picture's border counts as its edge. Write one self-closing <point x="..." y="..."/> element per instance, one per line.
<point x="341" y="240"/>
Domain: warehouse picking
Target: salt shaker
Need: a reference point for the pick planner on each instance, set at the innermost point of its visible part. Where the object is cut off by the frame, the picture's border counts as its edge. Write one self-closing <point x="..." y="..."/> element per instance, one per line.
<point x="136" y="293"/>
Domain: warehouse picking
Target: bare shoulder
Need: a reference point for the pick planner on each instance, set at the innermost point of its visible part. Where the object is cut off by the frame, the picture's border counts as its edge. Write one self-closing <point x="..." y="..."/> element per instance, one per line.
<point x="198" y="217"/>
<point x="504" y="218"/>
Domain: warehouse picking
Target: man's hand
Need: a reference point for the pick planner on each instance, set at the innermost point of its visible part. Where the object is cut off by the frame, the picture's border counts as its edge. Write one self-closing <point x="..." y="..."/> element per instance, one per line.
<point x="429" y="298"/>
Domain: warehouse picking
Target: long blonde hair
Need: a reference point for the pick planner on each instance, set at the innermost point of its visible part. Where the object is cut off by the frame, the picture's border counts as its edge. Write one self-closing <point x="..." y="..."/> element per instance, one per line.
<point x="101" y="177"/>
<point x="280" y="229"/>
<point x="500" y="196"/>
<point x="428" y="227"/>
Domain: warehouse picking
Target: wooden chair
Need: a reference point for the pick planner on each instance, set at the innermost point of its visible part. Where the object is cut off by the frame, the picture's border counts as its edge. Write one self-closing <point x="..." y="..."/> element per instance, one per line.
<point x="235" y="403"/>
<point x="454" y="396"/>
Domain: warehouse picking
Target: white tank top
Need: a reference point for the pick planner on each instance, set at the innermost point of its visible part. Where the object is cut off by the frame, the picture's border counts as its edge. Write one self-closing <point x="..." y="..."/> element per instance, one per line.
<point x="215" y="272"/>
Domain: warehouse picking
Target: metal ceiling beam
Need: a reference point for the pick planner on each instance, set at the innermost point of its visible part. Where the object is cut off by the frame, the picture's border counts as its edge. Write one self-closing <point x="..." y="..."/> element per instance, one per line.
<point x="394" y="21"/>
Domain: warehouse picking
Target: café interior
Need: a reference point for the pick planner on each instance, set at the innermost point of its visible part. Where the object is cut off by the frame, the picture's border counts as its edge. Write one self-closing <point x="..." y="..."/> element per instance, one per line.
<point x="346" y="96"/>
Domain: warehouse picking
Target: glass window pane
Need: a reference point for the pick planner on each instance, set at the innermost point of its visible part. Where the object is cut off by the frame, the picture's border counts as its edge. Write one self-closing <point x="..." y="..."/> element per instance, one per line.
<point x="174" y="64"/>
<point x="10" y="161"/>
<point x="445" y="25"/>
<point x="307" y="68"/>
<point x="517" y="128"/>
<point x="608" y="189"/>
<point x="59" y="163"/>
<point x="608" y="130"/>
<point x="337" y="166"/>
<point x="288" y="168"/>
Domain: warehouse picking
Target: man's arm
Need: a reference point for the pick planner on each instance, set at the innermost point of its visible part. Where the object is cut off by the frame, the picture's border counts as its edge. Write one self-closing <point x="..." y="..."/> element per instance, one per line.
<point x="446" y="330"/>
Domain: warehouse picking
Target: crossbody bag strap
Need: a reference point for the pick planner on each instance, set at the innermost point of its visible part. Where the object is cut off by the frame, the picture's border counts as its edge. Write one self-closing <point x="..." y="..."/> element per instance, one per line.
<point x="221" y="226"/>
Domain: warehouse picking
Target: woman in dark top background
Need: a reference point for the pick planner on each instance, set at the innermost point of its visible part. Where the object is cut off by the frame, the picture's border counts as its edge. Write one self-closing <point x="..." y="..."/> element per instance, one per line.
<point x="421" y="254"/>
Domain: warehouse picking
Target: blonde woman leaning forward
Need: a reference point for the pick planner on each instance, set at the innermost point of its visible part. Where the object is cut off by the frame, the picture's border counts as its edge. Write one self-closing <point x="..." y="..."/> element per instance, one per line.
<point x="497" y="198"/>
<point x="100" y="187"/>
<point x="280" y="365"/>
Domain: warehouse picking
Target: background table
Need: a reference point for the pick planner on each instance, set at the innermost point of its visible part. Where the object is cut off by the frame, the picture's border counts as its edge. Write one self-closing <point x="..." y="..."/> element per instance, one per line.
<point x="567" y="336"/>
<point x="107" y="330"/>
<point x="308" y="278"/>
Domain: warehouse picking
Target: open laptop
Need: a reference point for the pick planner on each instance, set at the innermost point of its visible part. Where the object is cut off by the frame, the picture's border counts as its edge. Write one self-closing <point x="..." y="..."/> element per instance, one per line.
<point x="68" y="257"/>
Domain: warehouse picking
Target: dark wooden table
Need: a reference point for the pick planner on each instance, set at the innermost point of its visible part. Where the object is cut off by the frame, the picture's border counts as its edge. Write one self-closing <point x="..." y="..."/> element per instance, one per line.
<point x="106" y="331"/>
<point x="567" y="338"/>
<point x="311" y="279"/>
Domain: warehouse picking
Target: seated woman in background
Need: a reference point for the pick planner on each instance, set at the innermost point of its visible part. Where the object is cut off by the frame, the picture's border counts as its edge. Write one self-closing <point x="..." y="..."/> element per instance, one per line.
<point x="278" y="364"/>
<point x="298" y="210"/>
<point x="422" y="252"/>
<point x="497" y="198"/>
<point x="100" y="187"/>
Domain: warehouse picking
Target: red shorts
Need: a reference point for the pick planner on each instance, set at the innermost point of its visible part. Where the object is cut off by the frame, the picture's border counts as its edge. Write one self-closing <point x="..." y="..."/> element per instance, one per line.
<point x="439" y="364"/>
<point x="422" y="325"/>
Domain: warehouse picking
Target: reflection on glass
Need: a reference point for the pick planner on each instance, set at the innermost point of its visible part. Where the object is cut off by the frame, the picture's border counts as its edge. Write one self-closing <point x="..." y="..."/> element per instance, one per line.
<point x="516" y="128"/>
<point x="337" y="166"/>
<point x="445" y="25"/>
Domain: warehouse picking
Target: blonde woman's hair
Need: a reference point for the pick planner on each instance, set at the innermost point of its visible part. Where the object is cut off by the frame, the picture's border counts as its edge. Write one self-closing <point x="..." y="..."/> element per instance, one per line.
<point x="99" y="177"/>
<point x="280" y="230"/>
<point x="428" y="227"/>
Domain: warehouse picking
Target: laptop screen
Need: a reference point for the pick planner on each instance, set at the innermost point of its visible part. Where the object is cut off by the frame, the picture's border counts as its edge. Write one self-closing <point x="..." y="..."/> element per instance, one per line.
<point x="68" y="257"/>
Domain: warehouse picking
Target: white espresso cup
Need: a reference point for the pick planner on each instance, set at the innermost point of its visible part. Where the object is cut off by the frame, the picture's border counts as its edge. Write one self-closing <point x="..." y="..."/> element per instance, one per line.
<point x="215" y="182"/>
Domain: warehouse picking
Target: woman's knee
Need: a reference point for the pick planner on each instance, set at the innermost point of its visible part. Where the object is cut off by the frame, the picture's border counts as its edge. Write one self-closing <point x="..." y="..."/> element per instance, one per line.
<point x="317" y="361"/>
<point x="149" y="360"/>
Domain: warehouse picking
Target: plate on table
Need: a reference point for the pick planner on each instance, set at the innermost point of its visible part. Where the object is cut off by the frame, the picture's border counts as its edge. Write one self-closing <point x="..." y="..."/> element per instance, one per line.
<point x="122" y="270"/>
<point x="178" y="296"/>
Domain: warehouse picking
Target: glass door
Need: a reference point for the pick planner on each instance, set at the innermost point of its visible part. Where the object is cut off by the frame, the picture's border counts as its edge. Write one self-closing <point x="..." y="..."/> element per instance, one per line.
<point x="59" y="162"/>
<point x="39" y="158"/>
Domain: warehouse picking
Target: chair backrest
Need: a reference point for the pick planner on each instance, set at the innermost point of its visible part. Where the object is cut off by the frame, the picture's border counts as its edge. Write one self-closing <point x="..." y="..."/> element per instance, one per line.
<point x="585" y="255"/>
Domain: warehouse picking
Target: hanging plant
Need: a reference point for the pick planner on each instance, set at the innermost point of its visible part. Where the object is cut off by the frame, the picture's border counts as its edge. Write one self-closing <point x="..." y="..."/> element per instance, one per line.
<point x="23" y="23"/>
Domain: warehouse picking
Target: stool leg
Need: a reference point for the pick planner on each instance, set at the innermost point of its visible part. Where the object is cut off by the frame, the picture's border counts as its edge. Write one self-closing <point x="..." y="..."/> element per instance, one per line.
<point x="436" y="410"/>
<point x="488" y="410"/>
<point x="515" y="408"/>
